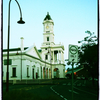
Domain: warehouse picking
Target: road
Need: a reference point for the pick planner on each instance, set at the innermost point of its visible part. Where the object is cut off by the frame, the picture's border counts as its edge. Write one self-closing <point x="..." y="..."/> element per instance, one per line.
<point x="80" y="90"/>
<point x="61" y="91"/>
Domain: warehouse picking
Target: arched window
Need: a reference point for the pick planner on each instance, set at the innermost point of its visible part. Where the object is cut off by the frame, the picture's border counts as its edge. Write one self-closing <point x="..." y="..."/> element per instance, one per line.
<point x="46" y="57"/>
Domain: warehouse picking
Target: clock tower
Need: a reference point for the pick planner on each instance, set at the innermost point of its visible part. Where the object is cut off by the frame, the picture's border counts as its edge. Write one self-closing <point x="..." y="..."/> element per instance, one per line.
<point x="48" y="34"/>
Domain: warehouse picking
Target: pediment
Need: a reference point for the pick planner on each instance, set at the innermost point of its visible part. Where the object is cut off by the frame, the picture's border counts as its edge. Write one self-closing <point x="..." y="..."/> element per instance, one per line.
<point x="33" y="52"/>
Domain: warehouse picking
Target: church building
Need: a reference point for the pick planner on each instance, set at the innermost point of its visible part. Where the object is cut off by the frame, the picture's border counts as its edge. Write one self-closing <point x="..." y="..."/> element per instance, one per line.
<point x="31" y="63"/>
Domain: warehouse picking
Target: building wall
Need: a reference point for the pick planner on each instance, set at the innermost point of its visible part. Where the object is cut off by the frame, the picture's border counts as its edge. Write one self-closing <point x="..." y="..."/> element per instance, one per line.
<point x="30" y="63"/>
<point x="61" y="69"/>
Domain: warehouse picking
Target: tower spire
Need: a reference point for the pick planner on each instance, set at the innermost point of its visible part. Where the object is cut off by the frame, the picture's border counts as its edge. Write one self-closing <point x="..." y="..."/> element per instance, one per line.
<point x="48" y="17"/>
<point x="47" y="13"/>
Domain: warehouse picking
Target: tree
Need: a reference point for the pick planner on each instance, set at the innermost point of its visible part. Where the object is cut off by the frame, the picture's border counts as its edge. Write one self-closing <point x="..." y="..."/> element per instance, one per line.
<point x="88" y="54"/>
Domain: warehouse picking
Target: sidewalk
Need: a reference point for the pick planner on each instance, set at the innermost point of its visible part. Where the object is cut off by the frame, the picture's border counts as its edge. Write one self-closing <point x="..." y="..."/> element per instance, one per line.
<point x="89" y="84"/>
<point x="36" y="81"/>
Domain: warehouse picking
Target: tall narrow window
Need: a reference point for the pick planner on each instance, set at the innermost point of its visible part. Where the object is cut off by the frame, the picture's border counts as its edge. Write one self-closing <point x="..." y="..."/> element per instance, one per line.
<point x="46" y="57"/>
<point x="14" y="72"/>
<point x="47" y="38"/>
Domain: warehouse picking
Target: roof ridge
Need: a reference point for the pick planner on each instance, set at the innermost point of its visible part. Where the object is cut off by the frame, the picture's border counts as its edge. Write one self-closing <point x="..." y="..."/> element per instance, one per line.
<point x="14" y="49"/>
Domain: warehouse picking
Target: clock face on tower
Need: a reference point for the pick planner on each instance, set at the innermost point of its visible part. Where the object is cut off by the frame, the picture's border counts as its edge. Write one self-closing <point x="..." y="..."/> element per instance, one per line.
<point x="47" y="27"/>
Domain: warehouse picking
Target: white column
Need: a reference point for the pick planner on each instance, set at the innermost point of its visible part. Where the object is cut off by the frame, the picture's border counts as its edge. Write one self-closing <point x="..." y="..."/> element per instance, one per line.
<point x="58" y="56"/>
<point x="35" y="68"/>
<point x="53" y="57"/>
<point x="61" y="56"/>
<point x="39" y="72"/>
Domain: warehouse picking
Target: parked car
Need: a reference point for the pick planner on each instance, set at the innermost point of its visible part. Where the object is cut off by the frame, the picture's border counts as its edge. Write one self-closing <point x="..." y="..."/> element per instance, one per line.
<point x="78" y="78"/>
<point x="95" y="79"/>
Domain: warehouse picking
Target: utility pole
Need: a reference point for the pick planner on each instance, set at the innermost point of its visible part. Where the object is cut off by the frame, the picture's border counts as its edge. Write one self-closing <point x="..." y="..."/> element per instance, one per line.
<point x="73" y="57"/>
<point x="21" y="64"/>
<point x="45" y="69"/>
<point x="72" y="79"/>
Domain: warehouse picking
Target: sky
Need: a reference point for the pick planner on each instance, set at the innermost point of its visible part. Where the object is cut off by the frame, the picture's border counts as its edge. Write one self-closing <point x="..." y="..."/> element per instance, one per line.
<point x="71" y="19"/>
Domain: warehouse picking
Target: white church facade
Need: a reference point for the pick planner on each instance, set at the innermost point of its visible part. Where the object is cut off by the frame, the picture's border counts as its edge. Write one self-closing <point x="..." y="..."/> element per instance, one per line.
<point x="30" y="63"/>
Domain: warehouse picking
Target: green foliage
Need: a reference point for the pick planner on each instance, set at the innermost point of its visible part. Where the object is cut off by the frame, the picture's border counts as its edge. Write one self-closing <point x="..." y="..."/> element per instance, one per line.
<point x="88" y="53"/>
<point x="68" y="63"/>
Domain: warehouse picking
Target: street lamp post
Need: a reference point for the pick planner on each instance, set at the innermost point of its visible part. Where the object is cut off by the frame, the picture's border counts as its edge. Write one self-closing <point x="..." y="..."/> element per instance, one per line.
<point x="20" y="22"/>
<point x="21" y="65"/>
<point x="45" y="68"/>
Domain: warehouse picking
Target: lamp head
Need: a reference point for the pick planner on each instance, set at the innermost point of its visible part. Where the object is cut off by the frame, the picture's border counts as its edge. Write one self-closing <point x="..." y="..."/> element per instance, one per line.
<point x="20" y="21"/>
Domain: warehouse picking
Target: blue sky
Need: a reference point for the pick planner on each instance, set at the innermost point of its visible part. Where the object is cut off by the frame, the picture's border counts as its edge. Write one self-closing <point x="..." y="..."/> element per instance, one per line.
<point x="71" y="19"/>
